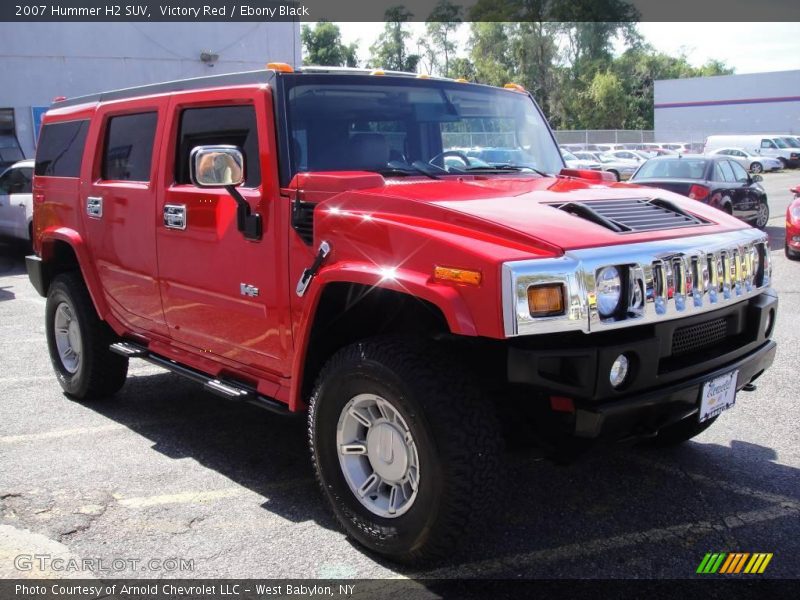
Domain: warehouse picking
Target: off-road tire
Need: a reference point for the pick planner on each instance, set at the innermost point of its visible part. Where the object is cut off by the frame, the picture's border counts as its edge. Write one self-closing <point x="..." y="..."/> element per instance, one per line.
<point x="456" y="434"/>
<point x="100" y="373"/>
<point x="680" y="432"/>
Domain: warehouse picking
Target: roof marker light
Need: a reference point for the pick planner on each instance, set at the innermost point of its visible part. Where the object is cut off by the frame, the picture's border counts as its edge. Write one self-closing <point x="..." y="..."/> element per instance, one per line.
<point x="423" y="76"/>
<point x="280" y="67"/>
<point x="516" y="87"/>
<point x="461" y="80"/>
<point x="377" y="72"/>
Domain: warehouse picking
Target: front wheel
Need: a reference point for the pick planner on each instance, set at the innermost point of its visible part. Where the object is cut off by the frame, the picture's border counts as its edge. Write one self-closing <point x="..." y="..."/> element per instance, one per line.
<point x="762" y="217"/>
<point x="404" y="446"/>
<point x="78" y="342"/>
<point x="756" y="167"/>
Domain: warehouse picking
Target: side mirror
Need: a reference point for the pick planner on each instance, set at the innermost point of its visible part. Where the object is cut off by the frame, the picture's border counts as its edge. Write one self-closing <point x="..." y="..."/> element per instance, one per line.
<point x="216" y="166"/>
<point x="223" y="166"/>
<point x="756" y="178"/>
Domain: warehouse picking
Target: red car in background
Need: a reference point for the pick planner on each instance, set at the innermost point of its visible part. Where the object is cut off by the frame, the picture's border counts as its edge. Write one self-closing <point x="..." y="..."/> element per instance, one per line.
<point x="793" y="226"/>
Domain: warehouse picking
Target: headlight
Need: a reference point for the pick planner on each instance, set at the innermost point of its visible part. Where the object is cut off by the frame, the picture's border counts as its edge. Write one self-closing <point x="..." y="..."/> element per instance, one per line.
<point x="795" y="212"/>
<point x="609" y="291"/>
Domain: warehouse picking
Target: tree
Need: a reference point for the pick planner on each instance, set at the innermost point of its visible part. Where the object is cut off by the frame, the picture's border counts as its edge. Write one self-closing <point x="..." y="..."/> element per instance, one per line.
<point x="323" y="45"/>
<point x="441" y="25"/>
<point x="389" y="51"/>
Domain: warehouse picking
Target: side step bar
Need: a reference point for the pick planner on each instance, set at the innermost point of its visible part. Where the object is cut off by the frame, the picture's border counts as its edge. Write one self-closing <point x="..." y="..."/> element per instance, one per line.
<point x="230" y="390"/>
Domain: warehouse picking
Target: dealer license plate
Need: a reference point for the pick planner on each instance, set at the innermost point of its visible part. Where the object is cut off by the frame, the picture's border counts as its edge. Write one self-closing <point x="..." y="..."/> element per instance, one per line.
<point x="718" y="395"/>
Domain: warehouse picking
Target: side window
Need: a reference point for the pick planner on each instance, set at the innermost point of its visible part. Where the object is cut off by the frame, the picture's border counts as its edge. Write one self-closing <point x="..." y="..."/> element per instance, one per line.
<point x="718" y="176"/>
<point x="739" y="172"/>
<point x="128" y="150"/>
<point x="18" y="181"/>
<point x="767" y="144"/>
<point x="60" y="149"/>
<point x="229" y="125"/>
<point x="727" y="171"/>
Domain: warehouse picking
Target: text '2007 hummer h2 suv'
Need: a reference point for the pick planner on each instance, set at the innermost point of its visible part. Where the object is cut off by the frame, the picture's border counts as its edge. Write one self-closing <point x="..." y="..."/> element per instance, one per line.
<point x="405" y="258"/>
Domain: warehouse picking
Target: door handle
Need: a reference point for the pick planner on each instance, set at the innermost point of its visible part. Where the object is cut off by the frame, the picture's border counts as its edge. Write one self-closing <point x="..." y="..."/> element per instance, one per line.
<point x="175" y="216"/>
<point x="94" y="206"/>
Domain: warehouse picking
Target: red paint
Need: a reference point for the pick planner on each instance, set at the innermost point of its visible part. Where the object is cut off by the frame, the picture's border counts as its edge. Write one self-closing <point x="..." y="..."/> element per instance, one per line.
<point x="792" y="223"/>
<point x="180" y="290"/>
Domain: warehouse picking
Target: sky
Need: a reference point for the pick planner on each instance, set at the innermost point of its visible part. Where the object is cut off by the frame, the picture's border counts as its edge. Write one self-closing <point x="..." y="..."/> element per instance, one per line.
<point x="747" y="47"/>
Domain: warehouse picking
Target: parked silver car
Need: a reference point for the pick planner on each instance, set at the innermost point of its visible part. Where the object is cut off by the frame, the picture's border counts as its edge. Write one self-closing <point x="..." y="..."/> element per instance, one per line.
<point x="621" y="169"/>
<point x="755" y="163"/>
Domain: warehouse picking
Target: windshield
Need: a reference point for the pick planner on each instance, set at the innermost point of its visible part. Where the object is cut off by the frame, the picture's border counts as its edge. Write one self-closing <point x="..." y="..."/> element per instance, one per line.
<point x="396" y="127"/>
<point x="779" y="143"/>
<point x="790" y="142"/>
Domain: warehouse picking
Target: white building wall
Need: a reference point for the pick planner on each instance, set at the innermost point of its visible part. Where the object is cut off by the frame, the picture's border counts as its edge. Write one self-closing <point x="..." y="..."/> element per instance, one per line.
<point x="692" y="109"/>
<point x="40" y="61"/>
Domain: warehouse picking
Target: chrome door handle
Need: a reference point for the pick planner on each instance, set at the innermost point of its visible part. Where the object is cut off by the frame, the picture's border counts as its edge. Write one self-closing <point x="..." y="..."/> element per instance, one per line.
<point x="94" y="206"/>
<point x="175" y="216"/>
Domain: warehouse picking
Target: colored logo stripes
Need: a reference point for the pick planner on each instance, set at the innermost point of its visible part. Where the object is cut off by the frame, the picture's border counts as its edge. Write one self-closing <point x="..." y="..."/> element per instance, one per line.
<point x="734" y="563"/>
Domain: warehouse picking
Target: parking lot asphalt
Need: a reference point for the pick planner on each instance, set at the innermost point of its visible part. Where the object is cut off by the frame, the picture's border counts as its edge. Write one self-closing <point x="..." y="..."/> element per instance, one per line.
<point x="164" y="470"/>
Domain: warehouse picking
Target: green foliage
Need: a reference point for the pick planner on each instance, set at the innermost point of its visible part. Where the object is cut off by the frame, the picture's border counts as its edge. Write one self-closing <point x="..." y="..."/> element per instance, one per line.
<point x="389" y="51"/>
<point x="324" y="46"/>
<point x="438" y="45"/>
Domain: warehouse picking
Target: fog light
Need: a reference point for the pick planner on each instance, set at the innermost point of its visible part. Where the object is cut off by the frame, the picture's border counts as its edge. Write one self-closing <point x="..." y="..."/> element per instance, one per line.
<point x="619" y="371"/>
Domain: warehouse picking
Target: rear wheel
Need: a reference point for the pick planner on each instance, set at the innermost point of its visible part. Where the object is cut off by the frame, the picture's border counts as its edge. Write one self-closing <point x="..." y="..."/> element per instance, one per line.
<point x="680" y="432"/>
<point x="614" y="173"/>
<point x="404" y="446"/>
<point x="756" y="167"/>
<point x="78" y="342"/>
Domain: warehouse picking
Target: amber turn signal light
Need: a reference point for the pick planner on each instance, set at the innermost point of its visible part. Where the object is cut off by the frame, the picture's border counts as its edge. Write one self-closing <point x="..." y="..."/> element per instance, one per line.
<point x="452" y="275"/>
<point x="546" y="300"/>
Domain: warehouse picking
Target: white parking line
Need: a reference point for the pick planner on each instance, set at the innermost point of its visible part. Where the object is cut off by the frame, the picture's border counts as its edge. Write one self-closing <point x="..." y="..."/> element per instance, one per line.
<point x="60" y="433"/>
<point x="485" y="568"/>
<point x="197" y="497"/>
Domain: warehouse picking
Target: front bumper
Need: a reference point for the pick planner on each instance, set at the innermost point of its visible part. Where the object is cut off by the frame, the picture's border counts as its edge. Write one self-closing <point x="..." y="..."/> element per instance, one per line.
<point x="670" y="361"/>
<point x="645" y="414"/>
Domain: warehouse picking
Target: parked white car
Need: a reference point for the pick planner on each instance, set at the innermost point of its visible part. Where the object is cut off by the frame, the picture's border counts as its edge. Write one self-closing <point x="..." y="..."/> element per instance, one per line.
<point x="621" y="169"/>
<point x="573" y="162"/>
<point x="765" y="145"/>
<point x="755" y="163"/>
<point x="16" y="201"/>
<point x="631" y="155"/>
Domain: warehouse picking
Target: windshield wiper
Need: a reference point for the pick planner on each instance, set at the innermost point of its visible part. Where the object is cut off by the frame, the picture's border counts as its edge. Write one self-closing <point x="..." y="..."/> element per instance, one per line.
<point x="504" y="168"/>
<point x="411" y="170"/>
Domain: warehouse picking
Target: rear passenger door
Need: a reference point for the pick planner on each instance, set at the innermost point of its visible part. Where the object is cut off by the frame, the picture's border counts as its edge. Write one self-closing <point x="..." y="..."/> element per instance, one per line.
<point x="223" y="294"/>
<point x="118" y="202"/>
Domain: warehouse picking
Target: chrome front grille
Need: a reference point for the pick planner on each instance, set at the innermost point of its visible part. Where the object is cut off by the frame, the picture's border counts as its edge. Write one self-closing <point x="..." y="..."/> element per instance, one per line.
<point x="676" y="278"/>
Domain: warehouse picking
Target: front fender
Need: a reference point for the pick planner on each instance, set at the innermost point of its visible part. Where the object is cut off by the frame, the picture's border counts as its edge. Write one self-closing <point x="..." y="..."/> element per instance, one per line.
<point x="446" y="298"/>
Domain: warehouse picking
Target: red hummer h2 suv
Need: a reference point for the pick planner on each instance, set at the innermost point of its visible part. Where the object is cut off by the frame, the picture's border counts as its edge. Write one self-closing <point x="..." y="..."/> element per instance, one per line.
<point x="407" y="260"/>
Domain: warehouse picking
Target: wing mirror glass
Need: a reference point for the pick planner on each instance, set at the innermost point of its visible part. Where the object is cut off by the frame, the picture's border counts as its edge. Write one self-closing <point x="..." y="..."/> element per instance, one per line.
<point x="756" y="178"/>
<point x="216" y="166"/>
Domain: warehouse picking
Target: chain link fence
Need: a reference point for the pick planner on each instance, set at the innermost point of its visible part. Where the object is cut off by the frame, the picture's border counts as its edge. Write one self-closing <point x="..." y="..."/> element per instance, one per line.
<point x="605" y="136"/>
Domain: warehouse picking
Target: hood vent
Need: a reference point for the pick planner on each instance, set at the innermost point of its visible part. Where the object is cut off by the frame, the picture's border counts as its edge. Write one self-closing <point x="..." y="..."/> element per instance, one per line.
<point x="633" y="214"/>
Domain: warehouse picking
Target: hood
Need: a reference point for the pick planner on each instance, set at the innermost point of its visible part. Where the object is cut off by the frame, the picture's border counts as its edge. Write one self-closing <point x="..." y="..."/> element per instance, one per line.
<point x="518" y="210"/>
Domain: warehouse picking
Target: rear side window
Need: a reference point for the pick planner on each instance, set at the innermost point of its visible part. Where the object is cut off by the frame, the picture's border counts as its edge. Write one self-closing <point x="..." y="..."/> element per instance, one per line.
<point x="60" y="149"/>
<point x="16" y="181"/>
<point x="128" y="149"/>
<point x="230" y="125"/>
<point x="727" y="171"/>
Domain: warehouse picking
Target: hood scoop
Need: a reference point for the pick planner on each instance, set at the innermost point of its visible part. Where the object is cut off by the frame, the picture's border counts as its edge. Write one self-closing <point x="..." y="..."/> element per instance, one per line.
<point x="632" y="214"/>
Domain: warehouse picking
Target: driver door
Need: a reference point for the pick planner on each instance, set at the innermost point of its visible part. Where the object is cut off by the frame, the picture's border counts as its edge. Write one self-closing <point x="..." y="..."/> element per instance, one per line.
<point x="221" y="292"/>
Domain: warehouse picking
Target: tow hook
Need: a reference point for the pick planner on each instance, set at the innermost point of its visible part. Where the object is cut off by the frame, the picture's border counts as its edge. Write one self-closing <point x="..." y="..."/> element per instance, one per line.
<point x="308" y="274"/>
<point x="749" y="388"/>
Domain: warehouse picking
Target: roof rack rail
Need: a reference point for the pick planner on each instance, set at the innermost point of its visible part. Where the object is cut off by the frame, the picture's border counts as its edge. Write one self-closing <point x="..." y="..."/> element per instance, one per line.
<point x="179" y="85"/>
